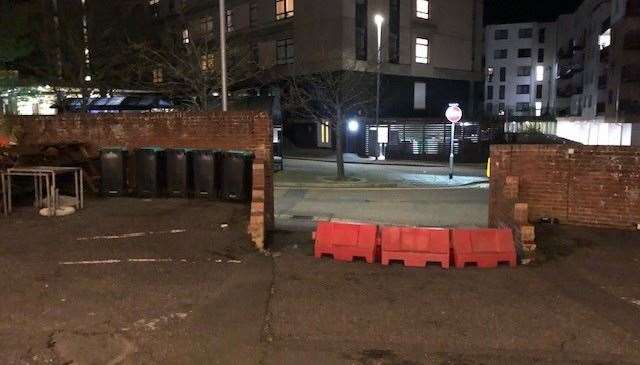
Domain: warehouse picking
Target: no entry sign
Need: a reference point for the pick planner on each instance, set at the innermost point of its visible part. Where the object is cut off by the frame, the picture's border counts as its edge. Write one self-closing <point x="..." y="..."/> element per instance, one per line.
<point x="453" y="113"/>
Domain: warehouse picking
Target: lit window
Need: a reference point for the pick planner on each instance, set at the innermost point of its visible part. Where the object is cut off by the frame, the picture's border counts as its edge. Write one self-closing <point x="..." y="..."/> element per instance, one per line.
<point x="206" y="24"/>
<point x="604" y="40"/>
<point x="284" y="51"/>
<point x="490" y="72"/>
<point x="157" y="75"/>
<point x="185" y="36"/>
<point x="229" y="20"/>
<point x="207" y="62"/>
<point x="422" y="50"/>
<point x="539" y="73"/>
<point x="154" y="5"/>
<point x="324" y="134"/>
<point x="538" y="108"/>
<point x="284" y="9"/>
<point x="422" y="9"/>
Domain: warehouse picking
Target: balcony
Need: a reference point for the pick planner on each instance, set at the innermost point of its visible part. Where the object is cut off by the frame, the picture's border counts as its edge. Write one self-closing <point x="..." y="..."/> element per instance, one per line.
<point x="567" y="72"/>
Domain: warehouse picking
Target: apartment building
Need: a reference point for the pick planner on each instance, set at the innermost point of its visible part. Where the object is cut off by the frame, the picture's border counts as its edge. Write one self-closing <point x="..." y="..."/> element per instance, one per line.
<point x="520" y="69"/>
<point x="594" y="89"/>
<point x="431" y="49"/>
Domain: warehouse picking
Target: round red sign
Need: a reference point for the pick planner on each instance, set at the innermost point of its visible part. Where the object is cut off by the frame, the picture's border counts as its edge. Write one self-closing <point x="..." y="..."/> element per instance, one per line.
<point x="453" y="113"/>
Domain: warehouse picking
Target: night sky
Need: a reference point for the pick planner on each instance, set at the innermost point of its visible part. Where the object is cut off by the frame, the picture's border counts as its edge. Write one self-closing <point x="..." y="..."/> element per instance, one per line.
<point x="515" y="11"/>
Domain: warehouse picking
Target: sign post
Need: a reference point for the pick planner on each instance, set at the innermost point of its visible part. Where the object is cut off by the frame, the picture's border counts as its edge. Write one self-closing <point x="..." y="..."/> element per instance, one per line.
<point x="453" y="114"/>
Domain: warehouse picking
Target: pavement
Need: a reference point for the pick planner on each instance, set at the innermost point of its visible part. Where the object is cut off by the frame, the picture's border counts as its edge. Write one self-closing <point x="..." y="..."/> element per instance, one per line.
<point x="318" y="174"/>
<point x="128" y="281"/>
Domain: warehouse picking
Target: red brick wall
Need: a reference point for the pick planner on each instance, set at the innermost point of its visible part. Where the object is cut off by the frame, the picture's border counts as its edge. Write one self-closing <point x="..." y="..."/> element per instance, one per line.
<point x="587" y="185"/>
<point x="234" y="130"/>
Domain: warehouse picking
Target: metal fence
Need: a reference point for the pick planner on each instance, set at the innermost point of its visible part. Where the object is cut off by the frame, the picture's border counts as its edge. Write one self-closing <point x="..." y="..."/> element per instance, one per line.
<point x="426" y="140"/>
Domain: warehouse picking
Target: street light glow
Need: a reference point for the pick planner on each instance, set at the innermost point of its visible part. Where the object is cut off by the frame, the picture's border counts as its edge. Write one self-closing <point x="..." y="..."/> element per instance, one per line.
<point x="353" y="126"/>
<point x="378" y="19"/>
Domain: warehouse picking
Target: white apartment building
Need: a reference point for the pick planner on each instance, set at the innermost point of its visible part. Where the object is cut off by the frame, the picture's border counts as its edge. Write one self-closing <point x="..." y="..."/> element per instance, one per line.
<point x="520" y="69"/>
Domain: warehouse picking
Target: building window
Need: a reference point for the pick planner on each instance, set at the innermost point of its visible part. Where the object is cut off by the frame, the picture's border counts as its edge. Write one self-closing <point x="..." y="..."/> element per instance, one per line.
<point x="157" y="75"/>
<point x="206" y="25"/>
<point x="538" y="108"/>
<point x="524" y="53"/>
<point x="501" y="108"/>
<point x="324" y="134"/>
<point x="284" y="9"/>
<point x="490" y="72"/>
<point x="500" y="54"/>
<point x="229" y="20"/>
<point x="207" y="62"/>
<point x="284" y="51"/>
<point x="489" y="108"/>
<point x="422" y="50"/>
<point x="154" y="6"/>
<point x="185" y="36"/>
<point x="522" y="107"/>
<point x="539" y="73"/>
<point x="253" y="15"/>
<point x="501" y="92"/>
<point x="394" y="31"/>
<point x="523" y="89"/>
<point x="524" y="71"/>
<point x="540" y="55"/>
<point x="422" y="9"/>
<point x="490" y="92"/>
<point x="542" y="35"/>
<point x="419" y="96"/>
<point x="525" y="33"/>
<point x="501" y="34"/>
<point x="538" y="91"/>
<point x="503" y="74"/>
<point x="361" y="30"/>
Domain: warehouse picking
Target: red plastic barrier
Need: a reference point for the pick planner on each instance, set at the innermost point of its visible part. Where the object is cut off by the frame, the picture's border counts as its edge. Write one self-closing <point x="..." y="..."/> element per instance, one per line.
<point x="416" y="246"/>
<point x="346" y="241"/>
<point x="485" y="248"/>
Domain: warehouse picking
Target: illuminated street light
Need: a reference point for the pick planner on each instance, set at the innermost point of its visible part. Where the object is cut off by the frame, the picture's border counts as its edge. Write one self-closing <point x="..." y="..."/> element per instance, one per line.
<point x="353" y="126"/>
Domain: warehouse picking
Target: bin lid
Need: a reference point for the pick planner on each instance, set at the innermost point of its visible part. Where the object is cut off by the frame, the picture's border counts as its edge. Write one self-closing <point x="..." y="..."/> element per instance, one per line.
<point x="201" y="151"/>
<point x="240" y="153"/>
<point x="152" y="149"/>
<point x="111" y="149"/>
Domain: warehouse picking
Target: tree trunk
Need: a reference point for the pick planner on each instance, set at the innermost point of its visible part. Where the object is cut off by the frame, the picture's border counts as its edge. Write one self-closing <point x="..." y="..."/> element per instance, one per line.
<point x="339" y="150"/>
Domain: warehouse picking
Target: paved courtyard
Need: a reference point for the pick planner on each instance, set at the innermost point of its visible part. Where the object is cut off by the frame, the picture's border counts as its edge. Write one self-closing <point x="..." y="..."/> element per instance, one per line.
<point x="176" y="282"/>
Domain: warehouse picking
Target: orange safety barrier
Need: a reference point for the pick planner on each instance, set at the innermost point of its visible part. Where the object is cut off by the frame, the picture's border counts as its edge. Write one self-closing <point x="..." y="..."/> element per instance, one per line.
<point x="346" y="241"/>
<point x="416" y="247"/>
<point x="485" y="248"/>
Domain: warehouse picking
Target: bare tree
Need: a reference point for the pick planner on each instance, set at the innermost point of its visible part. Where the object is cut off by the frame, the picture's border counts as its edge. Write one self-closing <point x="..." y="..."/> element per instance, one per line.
<point x="189" y="69"/>
<point x="331" y="96"/>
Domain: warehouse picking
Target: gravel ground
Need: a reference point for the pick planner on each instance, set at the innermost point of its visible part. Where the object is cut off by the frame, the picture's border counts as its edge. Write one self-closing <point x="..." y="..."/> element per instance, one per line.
<point x="210" y="298"/>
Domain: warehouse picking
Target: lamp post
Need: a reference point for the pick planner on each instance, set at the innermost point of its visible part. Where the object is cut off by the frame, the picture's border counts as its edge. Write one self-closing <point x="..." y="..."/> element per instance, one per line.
<point x="353" y="126"/>
<point x="378" y="19"/>
<point x="223" y="54"/>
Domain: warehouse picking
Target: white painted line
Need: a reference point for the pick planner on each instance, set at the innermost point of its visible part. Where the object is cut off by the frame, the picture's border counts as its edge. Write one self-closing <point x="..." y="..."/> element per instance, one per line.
<point x="129" y="235"/>
<point x="96" y="262"/>
<point x="234" y="262"/>
<point x="149" y="260"/>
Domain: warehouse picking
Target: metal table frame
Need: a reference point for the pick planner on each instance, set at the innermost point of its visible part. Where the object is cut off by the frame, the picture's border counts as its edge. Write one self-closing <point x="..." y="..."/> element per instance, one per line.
<point x="46" y="175"/>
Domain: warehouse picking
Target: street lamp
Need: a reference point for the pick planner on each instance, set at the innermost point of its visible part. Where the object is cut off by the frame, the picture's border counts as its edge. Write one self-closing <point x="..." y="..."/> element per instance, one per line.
<point x="378" y="19"/>
<point x="353" y="126"/>
<point x="223" y="53"/>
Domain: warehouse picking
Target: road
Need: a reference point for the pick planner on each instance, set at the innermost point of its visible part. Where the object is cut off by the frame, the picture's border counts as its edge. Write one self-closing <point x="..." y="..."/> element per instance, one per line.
<point x="422" y="207"/>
